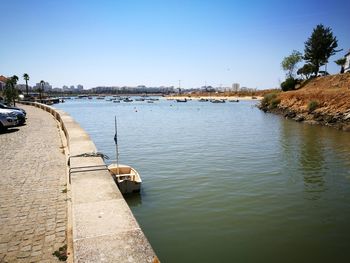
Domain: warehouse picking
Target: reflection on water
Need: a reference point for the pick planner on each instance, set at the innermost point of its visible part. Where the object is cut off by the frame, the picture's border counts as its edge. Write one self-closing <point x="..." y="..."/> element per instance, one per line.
<point x="228" y="183"/>
<point x="312" y="162"/>
<point x="134" y="199"/>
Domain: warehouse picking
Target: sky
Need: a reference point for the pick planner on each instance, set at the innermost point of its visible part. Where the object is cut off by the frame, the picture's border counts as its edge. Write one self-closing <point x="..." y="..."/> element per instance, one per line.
<point x="158" y="43"/>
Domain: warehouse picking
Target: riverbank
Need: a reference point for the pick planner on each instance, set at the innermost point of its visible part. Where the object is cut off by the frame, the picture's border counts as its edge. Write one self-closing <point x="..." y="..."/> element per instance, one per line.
<point x="324" y="101"/>
<point x="209" y="97"/>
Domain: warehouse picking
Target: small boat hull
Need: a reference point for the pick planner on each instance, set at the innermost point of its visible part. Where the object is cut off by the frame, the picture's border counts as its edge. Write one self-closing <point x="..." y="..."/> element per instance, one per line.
<point x="126" y="177"/>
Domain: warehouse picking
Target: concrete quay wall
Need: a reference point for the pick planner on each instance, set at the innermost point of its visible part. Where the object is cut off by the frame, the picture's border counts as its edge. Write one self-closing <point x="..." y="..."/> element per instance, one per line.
<point x="103" y="226"/>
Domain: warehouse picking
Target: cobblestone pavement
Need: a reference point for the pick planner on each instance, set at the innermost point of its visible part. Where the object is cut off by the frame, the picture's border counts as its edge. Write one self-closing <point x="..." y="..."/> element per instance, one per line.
<point x="33" y="207"/>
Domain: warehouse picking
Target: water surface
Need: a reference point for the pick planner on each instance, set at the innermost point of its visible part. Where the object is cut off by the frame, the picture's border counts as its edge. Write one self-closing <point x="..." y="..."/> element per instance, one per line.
<point x="227" y="182"/>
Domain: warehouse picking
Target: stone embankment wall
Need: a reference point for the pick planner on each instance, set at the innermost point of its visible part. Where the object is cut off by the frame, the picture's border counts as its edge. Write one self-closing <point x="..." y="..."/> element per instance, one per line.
<point x="103" y="226"/>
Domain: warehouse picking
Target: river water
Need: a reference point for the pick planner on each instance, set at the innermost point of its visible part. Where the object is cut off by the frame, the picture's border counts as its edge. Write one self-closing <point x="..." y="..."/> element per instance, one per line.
<point x="228" y="183"/>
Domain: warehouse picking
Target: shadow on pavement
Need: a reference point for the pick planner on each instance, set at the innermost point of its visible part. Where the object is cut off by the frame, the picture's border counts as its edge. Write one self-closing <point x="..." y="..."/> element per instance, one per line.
<point x="9" y="131"/>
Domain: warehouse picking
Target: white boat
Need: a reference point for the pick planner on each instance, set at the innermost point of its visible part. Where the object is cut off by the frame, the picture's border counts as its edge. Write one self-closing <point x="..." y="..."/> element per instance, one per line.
<point x="126" y="177"/>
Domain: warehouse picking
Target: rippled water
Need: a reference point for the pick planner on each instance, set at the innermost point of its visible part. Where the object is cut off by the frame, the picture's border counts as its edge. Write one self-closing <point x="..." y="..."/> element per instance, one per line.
<point x="227" y="182"/>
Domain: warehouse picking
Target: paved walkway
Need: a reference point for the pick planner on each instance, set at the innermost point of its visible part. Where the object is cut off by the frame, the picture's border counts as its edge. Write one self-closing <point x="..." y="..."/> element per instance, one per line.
<point x="33" y="207"/>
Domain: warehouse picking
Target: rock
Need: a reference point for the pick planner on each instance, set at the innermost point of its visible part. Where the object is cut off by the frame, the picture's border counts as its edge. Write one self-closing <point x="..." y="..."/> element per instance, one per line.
<point x="347" y="117"/>
<point x="329" y="118"/>
<point x="299" y="118"/>
<point x="290" y="114"/>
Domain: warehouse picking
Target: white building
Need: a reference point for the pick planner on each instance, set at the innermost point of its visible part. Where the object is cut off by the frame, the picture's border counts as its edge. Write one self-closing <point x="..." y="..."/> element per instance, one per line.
<point x="235" y="87"/>
<point x="347" y="62"/>
<point x="46" y="86"/>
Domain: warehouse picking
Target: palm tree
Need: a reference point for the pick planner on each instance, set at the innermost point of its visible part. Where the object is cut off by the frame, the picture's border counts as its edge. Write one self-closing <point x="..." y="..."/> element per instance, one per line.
<point x="26" y="78"/>
<point x="10" y="91"/>
<point x="341" y="62"/>
<point x="14" y="80"/>
<point x="41" y="89"/>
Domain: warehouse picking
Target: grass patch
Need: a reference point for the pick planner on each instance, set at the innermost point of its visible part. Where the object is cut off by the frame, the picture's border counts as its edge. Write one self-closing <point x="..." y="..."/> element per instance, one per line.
<point x="270" y="101"/>
<point x="312" y="105"/>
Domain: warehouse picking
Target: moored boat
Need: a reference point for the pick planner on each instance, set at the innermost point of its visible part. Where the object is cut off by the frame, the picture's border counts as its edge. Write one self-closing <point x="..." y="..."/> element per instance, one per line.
<point x="126" y="177"/>
<point x="217" y="101"/>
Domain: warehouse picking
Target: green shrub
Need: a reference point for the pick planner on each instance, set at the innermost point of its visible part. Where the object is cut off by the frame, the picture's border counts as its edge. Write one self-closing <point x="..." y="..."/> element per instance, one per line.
<point x="312" y="105"/>
<point x="274" y="103"/>
<point x="289" y="84"/>
<point x="270" y="101"/>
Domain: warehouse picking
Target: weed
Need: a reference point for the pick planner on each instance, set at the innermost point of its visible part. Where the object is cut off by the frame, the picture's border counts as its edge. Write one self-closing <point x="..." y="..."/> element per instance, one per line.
<point x="61" y="253"/>
<point x="312" y="105"/>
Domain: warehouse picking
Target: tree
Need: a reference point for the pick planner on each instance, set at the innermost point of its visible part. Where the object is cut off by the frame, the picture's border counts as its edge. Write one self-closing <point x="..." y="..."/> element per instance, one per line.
<point x="306" y="70"/>
<point x="320" y="47"/>
<point x="341" y="62"/>
<point x="289" y="63"/>
<point x="289" y="84"/>
<point x="26" y="78"/>
<point x="10" y="91"/>
<point x="41" y="89"/>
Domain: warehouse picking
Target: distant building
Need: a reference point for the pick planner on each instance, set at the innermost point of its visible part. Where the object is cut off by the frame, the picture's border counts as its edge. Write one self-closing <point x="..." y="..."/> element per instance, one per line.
<point x="347" y="62"/>
<point x="80" y="87"/>
<point x="57" y="89"/>
<point x="235" y="87"/>
<point x="2" y="82"/>
<point x="46" y="86"/>
<point x="22" y="87"/>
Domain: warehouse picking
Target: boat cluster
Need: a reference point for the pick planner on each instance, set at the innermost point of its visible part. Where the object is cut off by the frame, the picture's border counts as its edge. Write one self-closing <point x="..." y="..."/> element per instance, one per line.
<point x="208" y="100"/>
<point x="117" y="98"/>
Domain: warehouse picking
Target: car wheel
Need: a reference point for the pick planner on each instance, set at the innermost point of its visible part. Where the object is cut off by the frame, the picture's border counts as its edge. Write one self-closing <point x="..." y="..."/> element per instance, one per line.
<point x="2" y="127"/>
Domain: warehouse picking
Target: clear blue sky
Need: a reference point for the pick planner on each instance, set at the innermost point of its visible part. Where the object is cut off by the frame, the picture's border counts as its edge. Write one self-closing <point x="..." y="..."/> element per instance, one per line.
<point x="154" y="43"/>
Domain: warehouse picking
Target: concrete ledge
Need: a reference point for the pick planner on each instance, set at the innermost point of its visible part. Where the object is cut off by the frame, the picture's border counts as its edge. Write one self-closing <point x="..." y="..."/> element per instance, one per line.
<point x="104" y="228"/>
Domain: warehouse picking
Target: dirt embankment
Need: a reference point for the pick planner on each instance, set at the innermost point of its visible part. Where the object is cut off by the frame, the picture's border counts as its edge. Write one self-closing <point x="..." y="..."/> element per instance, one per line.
<point x="324" y="100"/>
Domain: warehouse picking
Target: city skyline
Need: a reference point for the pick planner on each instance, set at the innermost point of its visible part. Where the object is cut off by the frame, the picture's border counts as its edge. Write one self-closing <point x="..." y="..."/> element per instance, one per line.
<point x="153" y="43"/>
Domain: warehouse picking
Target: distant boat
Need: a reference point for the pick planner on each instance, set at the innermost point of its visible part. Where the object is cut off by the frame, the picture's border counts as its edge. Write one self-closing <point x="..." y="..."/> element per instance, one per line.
<point x="181" y="100"/>
<point x="203" y="100"/>
<point x="127" y="100"/>
<point x="218" y="101"/>
<point x="126" y="177"/>
<point x="233" y="100"/>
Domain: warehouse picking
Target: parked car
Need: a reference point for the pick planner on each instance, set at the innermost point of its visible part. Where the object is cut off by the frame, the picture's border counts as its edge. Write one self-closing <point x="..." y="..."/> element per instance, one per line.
<point x="20" y="113"/>
<point x="4" y="106"/>
<point x="7" y="119"/>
